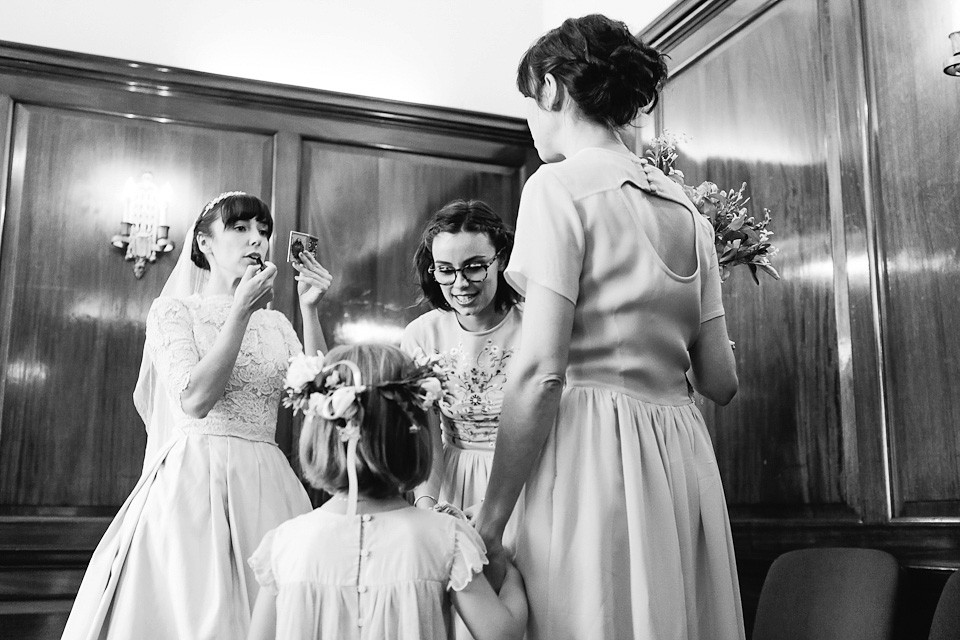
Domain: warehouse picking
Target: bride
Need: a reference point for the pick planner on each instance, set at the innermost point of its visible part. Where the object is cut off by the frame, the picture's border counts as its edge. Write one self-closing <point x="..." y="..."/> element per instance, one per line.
<point x="173" y="563"/>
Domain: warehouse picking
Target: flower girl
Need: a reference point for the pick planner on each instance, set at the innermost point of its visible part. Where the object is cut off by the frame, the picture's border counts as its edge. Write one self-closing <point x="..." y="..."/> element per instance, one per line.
<point x="366" y="564"/>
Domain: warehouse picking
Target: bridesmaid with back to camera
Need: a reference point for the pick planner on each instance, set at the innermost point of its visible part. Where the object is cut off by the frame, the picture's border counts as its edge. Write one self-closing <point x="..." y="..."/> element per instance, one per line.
<point x="624" y="530"/>
<point x="173" y="563"/>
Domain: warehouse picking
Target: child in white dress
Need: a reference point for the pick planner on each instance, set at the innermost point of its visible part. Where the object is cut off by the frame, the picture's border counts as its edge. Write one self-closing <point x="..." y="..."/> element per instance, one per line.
<point x="367" y="564"/>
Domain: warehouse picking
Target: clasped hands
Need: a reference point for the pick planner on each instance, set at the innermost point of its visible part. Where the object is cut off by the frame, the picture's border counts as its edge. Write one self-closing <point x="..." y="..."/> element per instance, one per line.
<point x="497" y="556"/>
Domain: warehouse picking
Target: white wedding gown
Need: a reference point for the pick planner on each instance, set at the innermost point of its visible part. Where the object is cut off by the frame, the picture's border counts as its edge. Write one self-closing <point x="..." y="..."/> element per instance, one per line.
<point x="173" y="563"/>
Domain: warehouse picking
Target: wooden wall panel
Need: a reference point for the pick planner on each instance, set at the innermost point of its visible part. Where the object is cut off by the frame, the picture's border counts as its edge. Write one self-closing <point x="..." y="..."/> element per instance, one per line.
<point x="918" y="198"/>
<point x="839" y="115"/>
<point x="752" y="109"/>
<point x="77" y="321"/>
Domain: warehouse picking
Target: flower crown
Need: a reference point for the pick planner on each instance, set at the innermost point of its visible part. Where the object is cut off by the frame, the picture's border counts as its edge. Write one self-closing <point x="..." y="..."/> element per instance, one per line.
<point x="220" y="198"/>
<point x="317" y="389"/>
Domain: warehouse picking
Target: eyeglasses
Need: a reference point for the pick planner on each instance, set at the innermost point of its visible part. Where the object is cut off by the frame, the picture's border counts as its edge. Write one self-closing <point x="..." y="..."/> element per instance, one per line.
<point x="473" y="272"/>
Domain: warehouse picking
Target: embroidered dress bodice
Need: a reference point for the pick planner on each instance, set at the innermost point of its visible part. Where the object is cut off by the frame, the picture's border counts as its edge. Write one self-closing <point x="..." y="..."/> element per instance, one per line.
<point x="180" y="332"/>
<point x="475" y="382"/>
<point x="476" y="366"/>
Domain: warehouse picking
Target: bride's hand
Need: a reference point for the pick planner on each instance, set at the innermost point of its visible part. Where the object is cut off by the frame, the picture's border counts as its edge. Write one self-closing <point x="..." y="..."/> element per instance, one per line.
<point x="313" y="279"/>
<point x="255" y="289"/>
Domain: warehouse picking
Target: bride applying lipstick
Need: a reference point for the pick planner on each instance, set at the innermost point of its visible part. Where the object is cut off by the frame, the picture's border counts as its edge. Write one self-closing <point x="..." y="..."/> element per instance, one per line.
<point x="173" y="563"/>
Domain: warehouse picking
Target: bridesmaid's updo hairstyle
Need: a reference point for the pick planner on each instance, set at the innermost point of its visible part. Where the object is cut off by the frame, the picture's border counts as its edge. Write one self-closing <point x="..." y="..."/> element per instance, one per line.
<point x="471" y="216"/>
<point x="608" y="72"/>
<point x="391" y="457"/>
<point x="230" y="207"/>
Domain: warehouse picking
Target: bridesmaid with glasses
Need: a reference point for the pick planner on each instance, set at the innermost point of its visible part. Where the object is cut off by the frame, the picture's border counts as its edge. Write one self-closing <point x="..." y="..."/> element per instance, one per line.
<point x="473" y="329"/>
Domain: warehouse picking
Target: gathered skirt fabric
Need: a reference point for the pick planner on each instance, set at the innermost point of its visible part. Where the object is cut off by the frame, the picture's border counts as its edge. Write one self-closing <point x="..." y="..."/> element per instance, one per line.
<point x="624" y="530"/>
<point x="466" y="472"/>
<point x="173" y="563"/>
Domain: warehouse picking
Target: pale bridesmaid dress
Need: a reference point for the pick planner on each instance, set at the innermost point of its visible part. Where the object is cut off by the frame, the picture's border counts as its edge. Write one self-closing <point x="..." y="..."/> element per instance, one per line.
<point x="624" y="531"/>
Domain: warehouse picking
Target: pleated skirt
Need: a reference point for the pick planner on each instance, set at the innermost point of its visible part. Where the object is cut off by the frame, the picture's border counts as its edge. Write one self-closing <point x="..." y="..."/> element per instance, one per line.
<point x="624" y="531"/>
<point x="466" y="472"/>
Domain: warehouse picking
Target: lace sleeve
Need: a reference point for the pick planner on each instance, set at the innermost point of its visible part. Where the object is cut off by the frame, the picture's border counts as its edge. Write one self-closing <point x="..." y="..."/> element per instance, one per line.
<point x="290" y="337"/>
<point x="469" y="555"/>
<point x="171" y="344"/>
<point x="262" y="563"/>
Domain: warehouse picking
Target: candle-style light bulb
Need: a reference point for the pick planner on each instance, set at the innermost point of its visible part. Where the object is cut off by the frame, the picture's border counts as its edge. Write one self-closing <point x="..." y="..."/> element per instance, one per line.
<point x="951" y="66"/>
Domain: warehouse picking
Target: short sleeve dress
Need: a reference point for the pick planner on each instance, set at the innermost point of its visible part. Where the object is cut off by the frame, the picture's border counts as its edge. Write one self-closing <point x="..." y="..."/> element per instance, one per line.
<point x="476" y="365"/>
<point x="172" y="564"/>
<point x="625" y="532"/>
<point x="383" y="576"/>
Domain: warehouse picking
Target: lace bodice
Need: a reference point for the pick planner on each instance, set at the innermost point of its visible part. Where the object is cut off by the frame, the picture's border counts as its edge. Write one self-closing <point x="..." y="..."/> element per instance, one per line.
<point x="180" y="332"/>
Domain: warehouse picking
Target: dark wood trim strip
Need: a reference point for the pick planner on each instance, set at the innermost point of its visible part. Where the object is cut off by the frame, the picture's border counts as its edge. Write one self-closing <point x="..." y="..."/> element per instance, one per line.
<point x="874" y="211"/>
<point x="713" y="35"/>
<point x="6" y="139"/>
<point x="926" y="545"/>
<point x="12" y="194"/>
<point x="138" y="77"/>
<point x="21" y="607"/>
<point x="20" y="535"/>
<point x="833" y="111"/>
<point x="679" y="21"/>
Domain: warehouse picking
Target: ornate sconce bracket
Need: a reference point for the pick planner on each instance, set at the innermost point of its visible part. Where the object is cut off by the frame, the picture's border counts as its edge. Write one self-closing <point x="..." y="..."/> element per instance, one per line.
<point x="143" y="228"/>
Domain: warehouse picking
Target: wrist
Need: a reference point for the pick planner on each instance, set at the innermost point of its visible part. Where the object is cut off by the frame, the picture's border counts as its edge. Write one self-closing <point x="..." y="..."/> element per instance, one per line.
<point x="309" y="307"/>
<point x="489" y="532"/>
<point x="239" y="313"/>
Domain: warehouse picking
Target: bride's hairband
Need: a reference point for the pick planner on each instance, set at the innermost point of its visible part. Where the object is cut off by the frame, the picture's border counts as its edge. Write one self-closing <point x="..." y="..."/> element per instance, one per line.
<point x="220" y="198"/>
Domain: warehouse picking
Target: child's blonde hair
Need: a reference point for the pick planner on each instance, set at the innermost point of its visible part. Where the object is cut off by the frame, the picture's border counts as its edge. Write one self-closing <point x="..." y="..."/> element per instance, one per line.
<point x="391" y="457"/>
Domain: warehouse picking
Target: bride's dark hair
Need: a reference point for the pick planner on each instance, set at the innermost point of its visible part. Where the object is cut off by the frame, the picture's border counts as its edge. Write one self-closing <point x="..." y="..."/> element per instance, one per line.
<point x="608" y="72"/>
<point x="230" y="209"/>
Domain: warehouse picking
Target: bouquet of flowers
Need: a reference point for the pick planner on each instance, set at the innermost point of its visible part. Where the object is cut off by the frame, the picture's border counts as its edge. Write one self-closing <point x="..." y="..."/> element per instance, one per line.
<point x="738" y="236"/>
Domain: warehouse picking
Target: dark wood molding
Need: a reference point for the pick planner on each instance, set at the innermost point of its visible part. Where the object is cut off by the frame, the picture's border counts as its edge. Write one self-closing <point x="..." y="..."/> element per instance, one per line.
<point x="680" y="20"/>
<point x="926" y="546"/>
<point x="32" y="537"/>
<point x="695" y="28"/>
<point x="152" y="79"/>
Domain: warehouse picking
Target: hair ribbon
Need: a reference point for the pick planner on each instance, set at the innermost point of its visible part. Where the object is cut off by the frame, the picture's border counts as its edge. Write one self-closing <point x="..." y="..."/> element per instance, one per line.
<point x="344" y="404"/>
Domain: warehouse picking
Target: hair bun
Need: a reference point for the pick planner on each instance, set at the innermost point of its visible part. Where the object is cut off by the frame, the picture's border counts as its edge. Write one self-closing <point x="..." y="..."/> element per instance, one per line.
<point x="608" y="72"/>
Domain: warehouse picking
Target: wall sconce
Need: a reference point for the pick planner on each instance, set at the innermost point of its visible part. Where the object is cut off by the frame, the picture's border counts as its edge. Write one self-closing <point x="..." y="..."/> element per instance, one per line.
<point x="143" y="226"/>
<point x="951" y="66"/>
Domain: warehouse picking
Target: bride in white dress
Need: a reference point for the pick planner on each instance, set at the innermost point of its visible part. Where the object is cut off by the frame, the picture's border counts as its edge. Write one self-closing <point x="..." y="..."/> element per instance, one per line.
<point x="173" y="563"/>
